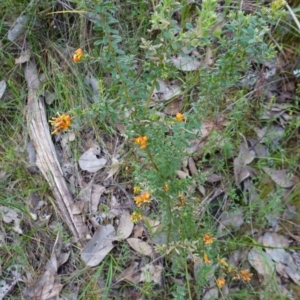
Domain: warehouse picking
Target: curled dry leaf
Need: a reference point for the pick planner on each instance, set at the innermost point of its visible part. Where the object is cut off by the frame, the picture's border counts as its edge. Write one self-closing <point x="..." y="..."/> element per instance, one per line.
<point x="245" y="157"/>
<point x="192" y="166"/>
<point x="165" y="91"/>
<point x="24" y="57"/>
<point x="140" y="246"/>
<point x="115" y="166"/>
<point x="131" y="274"/>
<point x="281" y="177"/>
<point x="89" y="160"/>
<point x="182" y="175"/>
<point x="125" y="227"/>
<point x="10" y="215"/>
<point x="152" y="225"/>
<point x="99" y="246"/>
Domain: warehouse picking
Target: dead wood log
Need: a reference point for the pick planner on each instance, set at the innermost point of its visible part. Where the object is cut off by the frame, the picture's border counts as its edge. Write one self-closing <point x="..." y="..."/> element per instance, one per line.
<point x="47" y="160"/>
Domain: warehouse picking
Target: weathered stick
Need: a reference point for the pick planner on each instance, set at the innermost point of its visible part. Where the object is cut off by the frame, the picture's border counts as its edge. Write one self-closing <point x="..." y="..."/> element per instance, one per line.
<point x="47" y="160"/>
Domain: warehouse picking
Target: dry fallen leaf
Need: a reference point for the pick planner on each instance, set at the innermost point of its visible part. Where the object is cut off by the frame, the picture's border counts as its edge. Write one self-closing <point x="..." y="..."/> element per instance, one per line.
<point x="140" y="246"/>
<point x="89" y="160"/>
<point x="47" y="287"/>
<point x="99" y="245"/>
<point x="281" y="177"/>
<point x="187" y="62"/>
<point x="125" y="227"/>
<point x="229" y="220"/>
<point x="152" y="225"/>
<point x="88" y="199"/>
<point x="10" y="215"/>
<point x="131" y="274"/>
<point x="165" y="90"/>
<point x="14" y="276"/>
<point x="115" y="166"/>
<point x="245" y="157"/>
<point x="18" y="28"/>
<point x="174" y="107"/>
<point x="261" y="262"/>
<point x="24" y="57"/>
<point x="151" y="272"/>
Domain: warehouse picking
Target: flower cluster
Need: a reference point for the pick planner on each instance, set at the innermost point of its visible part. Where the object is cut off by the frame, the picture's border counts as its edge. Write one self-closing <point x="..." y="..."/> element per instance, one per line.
<point x="142" y="141"/>
<point x="220" y="282"/>
<point x="135" y="217"/>
<point x="144" y="198"/>
<point x="61" y="123"/>
<point x="208" y="239"/>
<point x="179" y="117"/>
<point x="234" y="272"/>
<point x="78" y="55"/>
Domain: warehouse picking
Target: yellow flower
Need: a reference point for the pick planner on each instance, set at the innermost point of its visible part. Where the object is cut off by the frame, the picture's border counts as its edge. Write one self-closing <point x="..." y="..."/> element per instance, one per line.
<point x="220" y="282"/>
<point x="78" y="55"/>
<point x="206" y="259"/>
<point x="166" y="187"/>
<point x="136" y="189"/>
<point x="142" y="199"/>
<point x="142" y="141"/>
<point x="179" y="117"/>
<point x="135" y="217"/>
<point x="246" y="275"/>
<point x="208" y="239"/>
<point x="60" y="123"/>
<point x="223" y="262"/>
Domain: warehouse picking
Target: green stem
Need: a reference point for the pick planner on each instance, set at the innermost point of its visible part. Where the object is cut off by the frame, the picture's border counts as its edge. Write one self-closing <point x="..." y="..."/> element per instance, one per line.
<point x="149" y="96"/>
<point x="151" y="159"/>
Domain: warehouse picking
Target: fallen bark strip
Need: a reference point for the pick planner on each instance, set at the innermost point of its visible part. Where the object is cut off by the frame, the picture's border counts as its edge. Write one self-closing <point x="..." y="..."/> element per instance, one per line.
<point x="47" y="160"/>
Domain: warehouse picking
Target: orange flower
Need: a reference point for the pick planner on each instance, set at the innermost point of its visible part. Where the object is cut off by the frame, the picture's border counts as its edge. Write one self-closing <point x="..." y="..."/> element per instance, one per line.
<point x="142" y="141"/>
<point x="206" y="259"/>
<point x="246" y="275"/>
<point x="179" y="117"/>
<point x="78" y="55"/>
<point x="208" y="239"/>
<point x="220" y="282"/>
<point x="135" y="217"/>
<point x="60" y="123"/>
<point x="142" y="199"/>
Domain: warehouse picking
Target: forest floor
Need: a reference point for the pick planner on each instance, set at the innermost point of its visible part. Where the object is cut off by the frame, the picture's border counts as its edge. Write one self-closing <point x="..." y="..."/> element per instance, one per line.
<point x="149" y="149"/>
